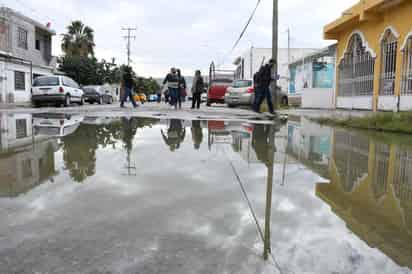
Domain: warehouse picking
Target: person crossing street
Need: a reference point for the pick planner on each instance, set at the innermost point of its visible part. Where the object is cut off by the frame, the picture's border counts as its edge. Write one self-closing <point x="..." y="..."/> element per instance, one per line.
<point x="172" y="81"/>
<point x="263" y="80"/>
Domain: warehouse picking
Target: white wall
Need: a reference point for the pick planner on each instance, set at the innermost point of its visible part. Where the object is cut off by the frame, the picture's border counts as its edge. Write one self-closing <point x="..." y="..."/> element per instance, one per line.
<point x="254" y="56"/>
<point x="318" y="98"/>
<point x="7" y="70"/>
<point x="357" y="102"/>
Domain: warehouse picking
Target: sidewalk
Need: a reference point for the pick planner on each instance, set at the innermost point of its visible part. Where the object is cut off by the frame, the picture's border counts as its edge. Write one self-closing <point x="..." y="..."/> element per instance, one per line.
<point x="338" y="114"/>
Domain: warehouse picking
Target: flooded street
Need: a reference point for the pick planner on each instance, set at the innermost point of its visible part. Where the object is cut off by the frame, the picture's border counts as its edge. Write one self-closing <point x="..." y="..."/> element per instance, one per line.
<point x="83" y="194"/>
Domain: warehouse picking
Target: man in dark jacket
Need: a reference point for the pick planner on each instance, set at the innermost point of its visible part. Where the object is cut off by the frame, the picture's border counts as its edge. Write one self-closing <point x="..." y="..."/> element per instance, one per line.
<point x="172" y="81"/>
<point x="263" y="79"/>
<point x="127" y="84"/>
<point x="197" y="89"/>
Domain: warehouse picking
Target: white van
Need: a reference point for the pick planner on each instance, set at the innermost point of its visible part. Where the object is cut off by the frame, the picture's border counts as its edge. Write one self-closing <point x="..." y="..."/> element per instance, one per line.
<point x="56" y="124"/>
<point x="56" y="89"/>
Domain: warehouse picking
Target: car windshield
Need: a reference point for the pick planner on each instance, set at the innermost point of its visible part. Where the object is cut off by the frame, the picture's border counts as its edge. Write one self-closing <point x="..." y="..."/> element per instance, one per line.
<point x="46" y="81"/>
<point x="242" y="84"/>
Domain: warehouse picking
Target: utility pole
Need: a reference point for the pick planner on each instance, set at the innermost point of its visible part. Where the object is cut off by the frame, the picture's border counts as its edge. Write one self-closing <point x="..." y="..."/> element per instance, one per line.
<point x="288" y="46"/>
<point x="288" y="31"/>
<point x="128" y="37"/>
<point x="275" y="52"/>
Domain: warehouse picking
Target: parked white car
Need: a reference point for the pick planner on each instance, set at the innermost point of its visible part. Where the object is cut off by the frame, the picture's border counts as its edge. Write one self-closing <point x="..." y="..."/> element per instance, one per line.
<point x="56" y="89"/>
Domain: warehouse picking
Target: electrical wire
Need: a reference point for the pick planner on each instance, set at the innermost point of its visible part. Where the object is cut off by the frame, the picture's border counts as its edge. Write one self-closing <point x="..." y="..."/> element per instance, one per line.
<point x="243" y="32"/>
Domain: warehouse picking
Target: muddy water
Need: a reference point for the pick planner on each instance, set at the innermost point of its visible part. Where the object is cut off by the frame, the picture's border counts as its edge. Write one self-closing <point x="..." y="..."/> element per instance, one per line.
<point x="128" y="195"/>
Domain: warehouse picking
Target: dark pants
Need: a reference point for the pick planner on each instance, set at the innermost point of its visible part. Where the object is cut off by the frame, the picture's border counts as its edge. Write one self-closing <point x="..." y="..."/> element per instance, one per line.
<point x="127" y="94"/>
<point x="174" y="93"/>
<point x="260" y="94"/>
<point x="179" y="98"/>
<point x="196" y="100"/>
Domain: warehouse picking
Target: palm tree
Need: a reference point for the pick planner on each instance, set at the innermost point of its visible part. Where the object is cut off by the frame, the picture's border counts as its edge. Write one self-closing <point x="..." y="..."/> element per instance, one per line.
<point x="79" y="40"/>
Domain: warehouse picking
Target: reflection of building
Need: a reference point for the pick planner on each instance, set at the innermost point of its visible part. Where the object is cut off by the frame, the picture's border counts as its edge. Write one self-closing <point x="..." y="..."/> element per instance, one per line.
<point x="25" y="160"/>
<point x="374" y="55"/>
<point x="371" y="190"/>
<point x="309" y="143"/>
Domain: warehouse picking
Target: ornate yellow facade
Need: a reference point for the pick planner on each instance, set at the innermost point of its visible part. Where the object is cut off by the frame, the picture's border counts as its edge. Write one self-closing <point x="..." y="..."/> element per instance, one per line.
<point x="374" y="55"/>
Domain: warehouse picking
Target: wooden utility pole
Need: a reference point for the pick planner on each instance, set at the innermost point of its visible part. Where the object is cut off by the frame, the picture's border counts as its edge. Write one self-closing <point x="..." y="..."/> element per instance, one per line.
<point x="275" y="53"/>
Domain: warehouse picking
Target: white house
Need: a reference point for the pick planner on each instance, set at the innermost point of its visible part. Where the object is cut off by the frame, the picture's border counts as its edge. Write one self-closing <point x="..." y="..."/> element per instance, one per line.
<point x="25" y="53"/>
<point x="312" y="77"/>
<point x="251" y="61"/>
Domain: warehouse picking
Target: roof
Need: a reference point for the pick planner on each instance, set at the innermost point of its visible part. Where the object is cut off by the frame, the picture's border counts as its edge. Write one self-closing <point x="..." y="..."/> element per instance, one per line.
<point x="9" y="11"/>
<point x="363" y="11"/>
<point x="328" y="51"/>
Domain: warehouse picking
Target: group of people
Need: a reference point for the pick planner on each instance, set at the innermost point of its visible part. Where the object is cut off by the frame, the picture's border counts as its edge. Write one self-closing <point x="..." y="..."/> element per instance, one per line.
<point x="176" y="88"/>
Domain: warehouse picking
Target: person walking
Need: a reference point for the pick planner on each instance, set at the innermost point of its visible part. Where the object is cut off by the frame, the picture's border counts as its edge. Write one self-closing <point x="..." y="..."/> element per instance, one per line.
<point x="127" y="84"/>
<point x="182" y="88"/>
<point x="172" y="81"/>
<point x="197" y="89"/>
<point x="263" y="80"/>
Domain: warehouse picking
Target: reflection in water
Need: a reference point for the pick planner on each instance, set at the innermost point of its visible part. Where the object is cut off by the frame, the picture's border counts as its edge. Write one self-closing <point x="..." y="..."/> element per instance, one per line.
<point x="175" y="134"/>
<point x="197" y="134"/>
<point x="370" y="185"/>
<point x="370" y="190"/>
<point x="26" y="161"/>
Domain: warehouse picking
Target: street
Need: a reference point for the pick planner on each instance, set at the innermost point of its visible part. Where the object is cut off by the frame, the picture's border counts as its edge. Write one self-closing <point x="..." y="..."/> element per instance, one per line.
<point x="99" y="189"/>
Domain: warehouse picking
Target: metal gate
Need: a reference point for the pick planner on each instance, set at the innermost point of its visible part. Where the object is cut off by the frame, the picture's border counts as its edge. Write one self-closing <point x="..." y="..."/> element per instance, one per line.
<point x="356" y="71"/>
<point x="389" y="48"/>
<point x="406" y="84"/>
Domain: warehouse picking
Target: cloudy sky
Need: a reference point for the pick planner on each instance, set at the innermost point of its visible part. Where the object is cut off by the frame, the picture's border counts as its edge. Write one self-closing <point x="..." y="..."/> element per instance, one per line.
<point x="183" y="33"/>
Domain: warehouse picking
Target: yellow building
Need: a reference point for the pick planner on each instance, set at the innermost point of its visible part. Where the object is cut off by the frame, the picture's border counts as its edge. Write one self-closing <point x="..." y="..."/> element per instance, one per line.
<point x="374" y="55"/>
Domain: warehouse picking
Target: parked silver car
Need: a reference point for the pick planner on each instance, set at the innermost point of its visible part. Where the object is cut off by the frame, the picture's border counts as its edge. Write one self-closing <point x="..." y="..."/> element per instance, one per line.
<point x="242" y="92"/>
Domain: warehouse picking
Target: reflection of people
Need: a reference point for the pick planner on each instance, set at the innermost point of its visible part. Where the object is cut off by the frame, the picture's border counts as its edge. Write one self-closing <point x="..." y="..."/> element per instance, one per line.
<point x="175" y="134"/>
<point x="197" y="134"/>
<point x="261" y="143"/>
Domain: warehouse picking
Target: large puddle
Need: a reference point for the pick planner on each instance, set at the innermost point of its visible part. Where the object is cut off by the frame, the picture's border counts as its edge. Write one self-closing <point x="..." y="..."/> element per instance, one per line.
<point x="140" y="195"/>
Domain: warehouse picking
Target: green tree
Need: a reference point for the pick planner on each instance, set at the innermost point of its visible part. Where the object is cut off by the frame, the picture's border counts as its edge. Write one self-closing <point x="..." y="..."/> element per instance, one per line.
<point x="79" y="40"/>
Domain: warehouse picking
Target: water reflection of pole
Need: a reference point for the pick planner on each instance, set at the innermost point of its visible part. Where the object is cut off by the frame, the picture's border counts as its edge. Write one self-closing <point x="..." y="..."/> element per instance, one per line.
<point x="268" y="211"/>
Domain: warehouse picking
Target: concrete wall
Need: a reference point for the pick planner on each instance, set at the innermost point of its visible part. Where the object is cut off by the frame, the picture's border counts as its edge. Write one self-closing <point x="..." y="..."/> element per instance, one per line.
<point x="8" y="94"/>
<point x="318" y="98"/>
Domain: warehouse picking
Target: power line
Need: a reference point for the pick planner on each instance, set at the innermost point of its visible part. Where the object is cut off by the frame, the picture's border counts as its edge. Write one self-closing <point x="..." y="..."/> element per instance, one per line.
<point x="243" y="31"/>
<point x="128" y="37"/>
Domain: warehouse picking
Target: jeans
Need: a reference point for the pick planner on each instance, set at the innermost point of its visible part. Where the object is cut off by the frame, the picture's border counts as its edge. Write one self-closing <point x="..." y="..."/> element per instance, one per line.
<point x="196" y="100"/>
<point x="127" y="94"/>
<point x="174" y="93"/>
<point x="260" y="94"/>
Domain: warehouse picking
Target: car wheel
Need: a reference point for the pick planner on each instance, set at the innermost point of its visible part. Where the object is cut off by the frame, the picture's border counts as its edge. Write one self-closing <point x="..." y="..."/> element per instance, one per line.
<point x="81" y="101"/>
<point x="67" y="100"/>
<point x="231" y="106"/>
<point x="208" y="103"/>
<point x="110" y="100"/>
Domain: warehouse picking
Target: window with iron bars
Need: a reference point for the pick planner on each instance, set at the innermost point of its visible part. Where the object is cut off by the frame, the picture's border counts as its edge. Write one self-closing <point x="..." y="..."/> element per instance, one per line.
<point x="406" y="84"/>
<point x="356" y="70"/>
<point x="389" y="48"/>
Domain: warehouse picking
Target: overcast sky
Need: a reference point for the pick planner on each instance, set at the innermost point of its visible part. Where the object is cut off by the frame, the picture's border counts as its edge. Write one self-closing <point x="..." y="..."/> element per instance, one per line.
<point x="183" y="33"/>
